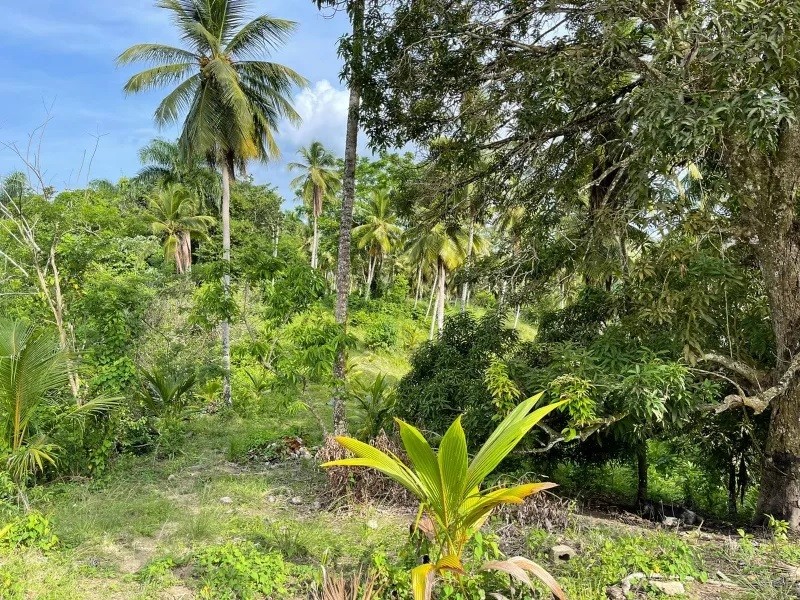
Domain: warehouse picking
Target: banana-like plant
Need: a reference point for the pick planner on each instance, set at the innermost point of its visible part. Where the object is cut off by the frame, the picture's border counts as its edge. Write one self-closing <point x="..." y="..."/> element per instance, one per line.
<point x="448" y="486"/>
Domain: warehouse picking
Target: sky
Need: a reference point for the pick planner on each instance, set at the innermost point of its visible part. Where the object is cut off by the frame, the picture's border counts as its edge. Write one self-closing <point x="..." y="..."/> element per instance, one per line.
<point x="57" y="64"/>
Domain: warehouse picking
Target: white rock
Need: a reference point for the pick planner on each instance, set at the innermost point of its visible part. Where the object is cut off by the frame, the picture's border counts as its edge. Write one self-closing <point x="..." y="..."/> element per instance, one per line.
<point x="669" y="588"/>
<point x="562" y="553"/>
<point x="372" y="524"/>
<point x="226" y="500"/>
<point x="296" y="500"/>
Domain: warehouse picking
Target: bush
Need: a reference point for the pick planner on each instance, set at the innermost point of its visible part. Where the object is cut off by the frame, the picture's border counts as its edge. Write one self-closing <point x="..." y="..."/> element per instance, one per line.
<point x="32" y="530"/>
<point x="240" y="571"/>
<point x="447" y="376"/>
<point x="381" y="333"/>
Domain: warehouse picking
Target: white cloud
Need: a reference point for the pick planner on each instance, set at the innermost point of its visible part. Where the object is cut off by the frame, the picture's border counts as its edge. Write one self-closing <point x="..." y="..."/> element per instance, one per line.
<point x="323" y="109"/>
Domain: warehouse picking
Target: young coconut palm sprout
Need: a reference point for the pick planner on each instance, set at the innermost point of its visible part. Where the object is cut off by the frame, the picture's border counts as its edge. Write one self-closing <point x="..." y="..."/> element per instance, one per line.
<point x="448" y="487"/>
<point x="33" y="369"/>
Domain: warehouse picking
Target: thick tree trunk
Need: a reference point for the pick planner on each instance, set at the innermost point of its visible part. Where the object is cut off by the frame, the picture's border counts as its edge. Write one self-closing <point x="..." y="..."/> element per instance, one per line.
<point x="768" y="185"/>
<point x="732" y="488"/>
<point x="227" y="175"/>
<point x="183" y="254"/>
<point x="346" y="224"/>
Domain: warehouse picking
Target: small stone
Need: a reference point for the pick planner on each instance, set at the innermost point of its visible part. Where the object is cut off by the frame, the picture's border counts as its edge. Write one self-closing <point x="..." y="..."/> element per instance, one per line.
<point x="226" y="500"/>
<point x="669" y="588"/>
<point x="272" y="499"/>
<point x="317" y="505"/>
<point x="171" y="477"/>
<point x="615" y="593"/>
<point x="372" y="524"/>
<point x="562" y="553"/>
<point x="630" y="580"/>
<point x="670" y="521"/>
<point x="793" y="573"/>
<point x="296" y="500"/>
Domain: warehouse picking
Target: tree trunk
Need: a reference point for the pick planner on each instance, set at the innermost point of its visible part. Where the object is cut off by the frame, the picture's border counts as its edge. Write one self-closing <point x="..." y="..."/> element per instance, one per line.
<point x="465" y="286"/>
<point x="768" y="184"/>
<point x="315" y="243"/>
<point x="370" y="275"/>
<point x="227" y="175"/>
<point x="346" y="225"/>
<point x="732" y="488"/>
<point x="183" y="253"/>
<point x="441" y="296"/>
<point x="275" y="241"/>
<point x="418" y="293"/>
<point x="641" y="472"/>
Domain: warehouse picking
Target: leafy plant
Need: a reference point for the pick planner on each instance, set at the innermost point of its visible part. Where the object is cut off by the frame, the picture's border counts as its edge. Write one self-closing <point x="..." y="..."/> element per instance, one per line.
<point x="32" y="370"/>
<point x="448" y="487"/>
<point x="166" y="394"/>
<point x="32" y="529"/>
<point x="376" y="402"/>
<point x="240" y="571"/>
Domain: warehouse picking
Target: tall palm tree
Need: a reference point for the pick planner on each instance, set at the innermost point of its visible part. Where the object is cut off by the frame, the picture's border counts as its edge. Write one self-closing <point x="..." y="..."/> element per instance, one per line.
<point x="442" y="247"/>
<point x="356" y="10"/>
<point x="378" y="234"/>
<point x="319" y="177"/>
<point x="230" y="102"/>
<point x="165" y="163"/>
<point x="172" y="213"/>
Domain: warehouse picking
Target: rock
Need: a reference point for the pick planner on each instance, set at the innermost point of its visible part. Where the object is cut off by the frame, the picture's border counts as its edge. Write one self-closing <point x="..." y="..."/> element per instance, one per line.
<point x="272" y="499"/>
<point x="793" y="573"/>
<point x="171" y="477"/>
<point x="372" y="524"/>
<point x="562" y="553"/>
<point x="226" y="500"/>
<point x="670" y="521"/>
<point x="630" y="580"/>
<point x="669" y="588"/>
<point x="688" y="518"/>
<point x="615" y="593"/>
<point x="296" y="500"/>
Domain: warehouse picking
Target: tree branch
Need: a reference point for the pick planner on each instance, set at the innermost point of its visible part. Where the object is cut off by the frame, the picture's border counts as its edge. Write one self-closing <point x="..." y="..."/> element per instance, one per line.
<point x="751" y="374"/>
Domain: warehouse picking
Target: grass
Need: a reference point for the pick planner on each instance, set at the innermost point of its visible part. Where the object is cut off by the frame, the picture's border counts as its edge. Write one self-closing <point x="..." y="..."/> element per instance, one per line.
<point x="134" y="532"/>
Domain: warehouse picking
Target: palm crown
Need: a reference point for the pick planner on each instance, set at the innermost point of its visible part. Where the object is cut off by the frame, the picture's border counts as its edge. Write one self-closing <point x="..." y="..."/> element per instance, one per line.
<point x="232" y="101"/>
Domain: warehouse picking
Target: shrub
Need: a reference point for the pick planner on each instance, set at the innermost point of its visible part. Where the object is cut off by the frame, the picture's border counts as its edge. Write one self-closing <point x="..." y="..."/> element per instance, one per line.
<point x="448" y="376"/>
<point x="240" y="571"/>
<point x="381" y="334"/>
<point x="31" y="530"/>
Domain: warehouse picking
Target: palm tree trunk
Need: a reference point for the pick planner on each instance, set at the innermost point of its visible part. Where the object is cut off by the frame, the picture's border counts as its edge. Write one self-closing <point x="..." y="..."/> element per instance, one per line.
<point x="227" y="175"/>
<point x="418" y="293"/>
<point x="465" y="286"/>
<point x="373" y="260"/>
<point x="183" y="254"/>
<point x="315" y="243"/>
<point x="516" y="316"/>
<point x="442" y="293"/>
<point x="346" y="226"/>
<point x="275" y="241"/>
<point x="433" y="295"/>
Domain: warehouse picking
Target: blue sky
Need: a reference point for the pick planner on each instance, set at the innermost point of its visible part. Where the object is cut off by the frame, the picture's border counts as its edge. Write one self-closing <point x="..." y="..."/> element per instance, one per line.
<point x="60" y="54"/>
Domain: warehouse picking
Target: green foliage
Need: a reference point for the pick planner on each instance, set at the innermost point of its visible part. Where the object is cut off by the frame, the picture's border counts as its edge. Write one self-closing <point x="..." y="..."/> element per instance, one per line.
<point x="448" y="487"/>
<point x="380" y="333"/>
<point x="376" y="402"/>
<point x="30" y="530"/>
<point x="448" y="376"/>
<point x="240" y="571"/>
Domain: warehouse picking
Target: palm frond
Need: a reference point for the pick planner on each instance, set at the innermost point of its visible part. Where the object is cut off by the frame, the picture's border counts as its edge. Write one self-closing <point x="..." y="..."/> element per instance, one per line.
<point x="158" y="54"/>
<point x="261" y="35"/>
<point x="157" y="77"/>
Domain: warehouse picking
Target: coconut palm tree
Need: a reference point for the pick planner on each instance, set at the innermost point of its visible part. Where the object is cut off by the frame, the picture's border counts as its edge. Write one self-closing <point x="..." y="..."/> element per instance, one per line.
<point x="378" y="234"/>
<point x="230" y="102"/>
<point x="319" y="177"/>
<point x="172" y="213"/>
<point x="442" y="247"/>
<point x="165" y="164"/>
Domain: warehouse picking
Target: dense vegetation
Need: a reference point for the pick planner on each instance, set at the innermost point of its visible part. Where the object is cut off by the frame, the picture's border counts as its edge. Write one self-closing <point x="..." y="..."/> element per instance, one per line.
<point x="586" y="275"/>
